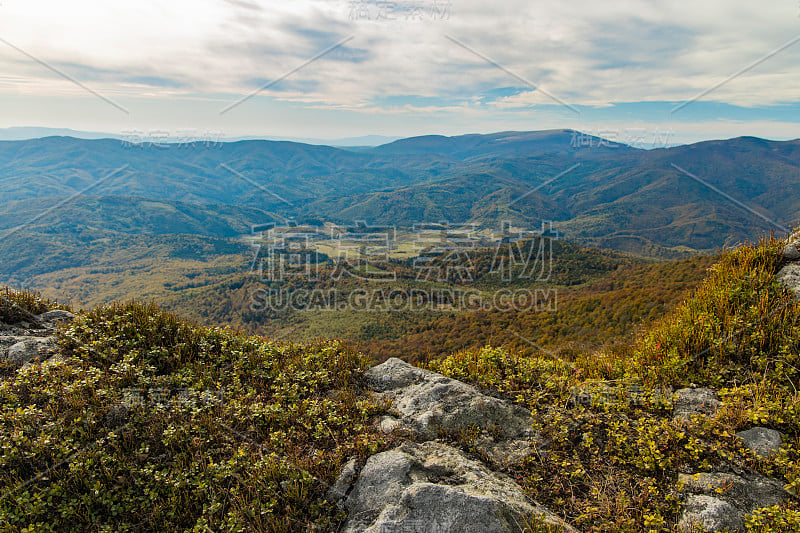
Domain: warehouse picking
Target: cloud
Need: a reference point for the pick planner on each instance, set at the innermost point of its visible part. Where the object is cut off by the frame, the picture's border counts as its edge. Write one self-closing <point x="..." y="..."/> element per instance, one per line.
<point x="587" y="53"/>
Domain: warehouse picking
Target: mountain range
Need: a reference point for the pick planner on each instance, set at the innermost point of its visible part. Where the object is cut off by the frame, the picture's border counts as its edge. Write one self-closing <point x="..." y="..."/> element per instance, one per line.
<point x="64" y="191"/>
<point x="22" y="133"/>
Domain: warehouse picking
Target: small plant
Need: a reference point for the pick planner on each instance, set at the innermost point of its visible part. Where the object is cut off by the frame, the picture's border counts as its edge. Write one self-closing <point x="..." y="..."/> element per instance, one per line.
<point x="774" y="519"/>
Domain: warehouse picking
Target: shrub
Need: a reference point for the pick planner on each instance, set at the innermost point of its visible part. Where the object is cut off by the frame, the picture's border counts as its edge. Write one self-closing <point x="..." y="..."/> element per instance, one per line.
<point x="740" y="322"/>
<point x="151" y="423"/>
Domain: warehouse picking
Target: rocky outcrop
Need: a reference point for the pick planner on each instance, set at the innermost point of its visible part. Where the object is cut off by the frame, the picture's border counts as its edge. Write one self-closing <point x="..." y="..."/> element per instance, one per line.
<point x="694" y="402"/>
<point x="431" y="486"/>
<point x="429" y="404"/>
<point x="434" y="487"/>
<point x="789" y="274"/>
<point x="720" y="501"/>
<point x="20" y="350"/>
<point x="791" y="252"/>
<point x="25" y="338"/>
<point x="710" y="514"/>
<point x="789" y="277"/>
<point x="763" y="442"/>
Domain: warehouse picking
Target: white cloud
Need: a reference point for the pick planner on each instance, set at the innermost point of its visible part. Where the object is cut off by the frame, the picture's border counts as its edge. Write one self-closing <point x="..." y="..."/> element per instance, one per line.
<point x="585" y="52"/>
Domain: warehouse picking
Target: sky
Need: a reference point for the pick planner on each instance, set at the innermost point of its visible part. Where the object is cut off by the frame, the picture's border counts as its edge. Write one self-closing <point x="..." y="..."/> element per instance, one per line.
<point x="636" y="71"/>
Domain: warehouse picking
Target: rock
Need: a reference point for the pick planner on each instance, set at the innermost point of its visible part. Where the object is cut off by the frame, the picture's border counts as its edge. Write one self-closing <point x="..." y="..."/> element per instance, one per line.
<point x="22" y="352"/>
<point x="691" y="402"/>
<point x="434" y="487"/>
<point x="763" y="442"/>
<point x="790" y="252"/>
<point x="344" y="481"/>
<point x="26" y="349"/>
<point x="30" y="338"/>
<point x="709" y="513"/>
<point x="429" y="402"/>
<point x="507" y="453"/>
<point x="789" y="277"/>
<point x="389" y="424"/>
<point x="55" y="316"/>
<point x="742" y="494"/>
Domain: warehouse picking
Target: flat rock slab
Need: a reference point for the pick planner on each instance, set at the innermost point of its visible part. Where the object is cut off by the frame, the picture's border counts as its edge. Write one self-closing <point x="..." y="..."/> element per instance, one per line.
<point x="56" y="316"/>
<point x="693" y="402"/>
<point x="763" y="442"/>
<point x="790" y="252"/>
<point x="709" y="513"/>
<point x="19" y="350"/>
<point x="720" y="501"/>
<point x="25" y="342"/>
<point x="429" y="403"/>
<point x="433" y="487"/>
<point x="789" y="277"/>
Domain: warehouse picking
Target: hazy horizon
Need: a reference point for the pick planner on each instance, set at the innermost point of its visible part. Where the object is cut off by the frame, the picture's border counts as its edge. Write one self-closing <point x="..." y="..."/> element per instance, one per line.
<point x="24" y="133"/>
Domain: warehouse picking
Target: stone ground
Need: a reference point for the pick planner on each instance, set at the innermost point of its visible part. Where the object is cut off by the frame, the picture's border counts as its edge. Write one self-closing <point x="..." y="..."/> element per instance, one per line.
<point x="30" y="337"/>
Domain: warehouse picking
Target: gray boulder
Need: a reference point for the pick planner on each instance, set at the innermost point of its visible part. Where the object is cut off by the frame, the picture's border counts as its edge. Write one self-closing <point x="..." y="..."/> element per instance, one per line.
<point x="763" y="442"/>
<point x="338" y="491"/>
<point x="709" y="513"/>
<point x="55" y="316"/>
<point x="433" y="487"/>
<point x="720" y="501"/>
<point x="790" y="252"/>
<point x="789" y="277"/>
<point x="20" y="350"/>
<point x="693" y="402"/>
<point x="429" y="403"/>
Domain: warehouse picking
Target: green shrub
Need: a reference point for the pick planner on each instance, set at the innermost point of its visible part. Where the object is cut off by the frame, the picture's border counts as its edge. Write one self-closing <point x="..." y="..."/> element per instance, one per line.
<point x="149" y="423"/>
<point x="739" y="322"/>
<point x="774" y="519"/>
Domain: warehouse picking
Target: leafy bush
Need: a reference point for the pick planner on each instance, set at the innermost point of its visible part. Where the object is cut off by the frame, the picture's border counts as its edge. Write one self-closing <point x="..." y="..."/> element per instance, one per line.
<point x="774" y="520"/>
<point x="21" y="306"/>
<point x="739" y="322"/>
<point x="150" y="423"/>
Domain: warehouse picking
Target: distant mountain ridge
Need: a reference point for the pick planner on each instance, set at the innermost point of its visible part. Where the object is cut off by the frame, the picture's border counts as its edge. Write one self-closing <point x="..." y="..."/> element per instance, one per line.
<point x="654" y="202"/>
<point x="507" y="144"/>
<point x="22" y="133"/>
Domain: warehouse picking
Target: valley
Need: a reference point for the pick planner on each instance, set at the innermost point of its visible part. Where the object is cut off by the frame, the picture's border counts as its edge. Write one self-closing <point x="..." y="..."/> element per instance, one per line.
<point x="89" y="222"/>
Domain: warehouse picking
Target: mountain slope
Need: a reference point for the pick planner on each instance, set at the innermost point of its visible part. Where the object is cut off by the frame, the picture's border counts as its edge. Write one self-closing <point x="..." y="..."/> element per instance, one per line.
<point x="507" y="144"/>
<point x="124" y="410"/>
<point x="700" y="196"/>
<point x="662" y="202"/>
<point x="255" y="173"/>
